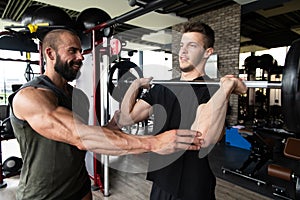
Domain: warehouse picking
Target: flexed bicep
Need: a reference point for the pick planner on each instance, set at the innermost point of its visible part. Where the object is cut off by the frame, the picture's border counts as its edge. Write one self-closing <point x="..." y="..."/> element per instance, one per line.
<point x="39" y="108"/>
<point x="139" y="112"/>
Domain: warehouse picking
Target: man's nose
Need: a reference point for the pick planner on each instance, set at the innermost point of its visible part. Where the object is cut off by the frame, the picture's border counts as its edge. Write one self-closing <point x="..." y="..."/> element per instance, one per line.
<point x="183" y="49"/>
<point x="79" y="56"/>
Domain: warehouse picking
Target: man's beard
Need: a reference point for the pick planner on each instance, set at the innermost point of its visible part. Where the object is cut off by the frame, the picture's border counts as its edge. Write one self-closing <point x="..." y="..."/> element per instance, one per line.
<point x="187" y="69"/>
<point x="66" y="70"/>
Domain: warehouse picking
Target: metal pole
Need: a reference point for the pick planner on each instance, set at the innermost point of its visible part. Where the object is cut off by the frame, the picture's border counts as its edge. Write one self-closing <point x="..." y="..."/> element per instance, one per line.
<point x="262" y="84"/>
<point x="151" y="6"/>
<point x="104" y="111"/>
<point x="249" y="84"/>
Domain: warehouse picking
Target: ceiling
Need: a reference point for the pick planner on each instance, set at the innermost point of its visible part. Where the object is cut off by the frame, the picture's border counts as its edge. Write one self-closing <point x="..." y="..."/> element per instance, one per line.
<point x="264" y="23"/>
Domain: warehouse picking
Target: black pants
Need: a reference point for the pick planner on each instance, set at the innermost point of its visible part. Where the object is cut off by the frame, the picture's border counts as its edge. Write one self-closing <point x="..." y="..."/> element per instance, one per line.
<point x="159" y="194"/>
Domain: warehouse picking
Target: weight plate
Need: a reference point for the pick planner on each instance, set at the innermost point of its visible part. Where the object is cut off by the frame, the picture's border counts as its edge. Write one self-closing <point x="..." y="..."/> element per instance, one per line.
<point x="290" y="94"/>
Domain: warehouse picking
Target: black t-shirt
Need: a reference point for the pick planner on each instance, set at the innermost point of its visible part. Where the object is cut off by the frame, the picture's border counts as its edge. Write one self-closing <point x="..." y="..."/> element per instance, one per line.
<point x="181" y="173"/>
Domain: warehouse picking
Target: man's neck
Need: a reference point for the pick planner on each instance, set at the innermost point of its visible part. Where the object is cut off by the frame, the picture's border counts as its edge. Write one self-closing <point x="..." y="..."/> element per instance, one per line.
<point x="57" y="80"/>
<point x="191" y="75"/>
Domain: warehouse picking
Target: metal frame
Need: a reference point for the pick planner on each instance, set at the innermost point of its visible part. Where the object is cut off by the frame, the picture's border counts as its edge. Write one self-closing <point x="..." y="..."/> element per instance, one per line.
<point x="103" y="71"/>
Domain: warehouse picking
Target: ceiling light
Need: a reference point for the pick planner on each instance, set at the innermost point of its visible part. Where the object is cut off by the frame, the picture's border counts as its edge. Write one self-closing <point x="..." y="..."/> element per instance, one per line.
<point x="245" y="39"/>
<point x="243" y="2"/>
<point x="160" y="37"/>
<point x="139" y="47"/>
<point x="156" y="21"/>
<point x="296" y="29"/>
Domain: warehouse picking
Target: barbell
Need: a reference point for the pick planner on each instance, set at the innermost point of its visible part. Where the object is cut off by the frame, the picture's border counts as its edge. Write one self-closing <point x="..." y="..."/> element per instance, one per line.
<point x="249" y="84"/>
<point x="290" y="84"/>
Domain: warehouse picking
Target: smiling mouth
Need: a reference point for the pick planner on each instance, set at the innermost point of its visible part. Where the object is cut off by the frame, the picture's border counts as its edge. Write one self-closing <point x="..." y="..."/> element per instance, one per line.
<point x="76" y="67"/>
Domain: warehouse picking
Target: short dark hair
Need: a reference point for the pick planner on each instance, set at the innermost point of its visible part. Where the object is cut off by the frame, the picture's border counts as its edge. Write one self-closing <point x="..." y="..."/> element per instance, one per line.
<point x="53" y="38"/>
<point x="203" y="28"/>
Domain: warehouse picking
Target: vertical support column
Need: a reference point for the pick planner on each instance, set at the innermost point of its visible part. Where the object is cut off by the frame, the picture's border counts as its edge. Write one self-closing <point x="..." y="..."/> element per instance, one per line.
<point x="104" y="110"/>
<point x="97" y="178"/>
<point x="141" y="59"/>
<point x="101" y="63"/>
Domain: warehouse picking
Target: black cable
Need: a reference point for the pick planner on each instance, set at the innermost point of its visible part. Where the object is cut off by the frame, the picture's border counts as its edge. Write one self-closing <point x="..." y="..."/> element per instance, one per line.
<point x="29" y="75"/>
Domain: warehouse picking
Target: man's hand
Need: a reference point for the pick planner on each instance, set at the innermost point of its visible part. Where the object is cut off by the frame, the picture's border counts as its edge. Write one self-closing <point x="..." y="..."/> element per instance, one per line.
<point x="144" y="82"/>
<point x="113" y="123"/>
<point x="233" y="85"/>
<point x="175" y="140"/>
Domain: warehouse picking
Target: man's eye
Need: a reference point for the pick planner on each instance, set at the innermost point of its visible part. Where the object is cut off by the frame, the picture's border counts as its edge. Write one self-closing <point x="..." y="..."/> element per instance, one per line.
<point x="193" y="45"/>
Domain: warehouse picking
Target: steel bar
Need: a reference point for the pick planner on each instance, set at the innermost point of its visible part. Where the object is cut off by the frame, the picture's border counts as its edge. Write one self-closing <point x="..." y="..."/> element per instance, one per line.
<point x="151" y="6"/>
<point x="249" y="84"/>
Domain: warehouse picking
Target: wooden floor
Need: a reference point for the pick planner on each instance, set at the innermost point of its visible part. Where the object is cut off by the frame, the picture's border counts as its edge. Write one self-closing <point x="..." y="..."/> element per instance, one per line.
<point x="135" y="187"/>
<point x="124" y="186"/>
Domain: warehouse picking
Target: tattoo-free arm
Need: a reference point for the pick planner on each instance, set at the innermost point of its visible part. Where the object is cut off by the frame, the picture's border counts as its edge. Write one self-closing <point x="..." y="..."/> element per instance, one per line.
<point x="133" y="110"/>
<point x="210" y="117"/>
<point x="39" y="108"/>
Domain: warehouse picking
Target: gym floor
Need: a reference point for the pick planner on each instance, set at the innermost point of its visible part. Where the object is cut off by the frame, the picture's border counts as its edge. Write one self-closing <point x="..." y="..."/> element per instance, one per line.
<point x="229" y="185"/>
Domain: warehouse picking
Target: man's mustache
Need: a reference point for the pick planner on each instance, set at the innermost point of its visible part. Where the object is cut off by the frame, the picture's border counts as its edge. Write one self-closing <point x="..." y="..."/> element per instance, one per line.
<point x="79" y="63"/>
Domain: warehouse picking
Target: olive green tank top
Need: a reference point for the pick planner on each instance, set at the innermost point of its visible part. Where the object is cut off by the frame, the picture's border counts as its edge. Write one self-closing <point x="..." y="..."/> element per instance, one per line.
<point x="51" y="170"/>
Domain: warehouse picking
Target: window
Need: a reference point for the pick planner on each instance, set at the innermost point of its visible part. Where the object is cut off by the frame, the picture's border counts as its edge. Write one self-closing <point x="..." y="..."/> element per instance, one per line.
<point x="15" y="70"/>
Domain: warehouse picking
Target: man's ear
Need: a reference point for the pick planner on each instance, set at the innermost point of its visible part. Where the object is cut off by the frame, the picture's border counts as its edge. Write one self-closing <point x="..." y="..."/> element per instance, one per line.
<point x="50" y="53"/>
<point x="209" y="51"/>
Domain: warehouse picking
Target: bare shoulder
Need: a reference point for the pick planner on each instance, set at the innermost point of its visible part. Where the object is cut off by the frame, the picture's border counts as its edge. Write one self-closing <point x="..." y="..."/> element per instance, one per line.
<point x="31" y="99"/>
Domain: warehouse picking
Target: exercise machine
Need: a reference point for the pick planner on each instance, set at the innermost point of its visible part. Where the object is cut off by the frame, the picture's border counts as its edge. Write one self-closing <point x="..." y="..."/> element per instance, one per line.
<point x="292" y="151"/>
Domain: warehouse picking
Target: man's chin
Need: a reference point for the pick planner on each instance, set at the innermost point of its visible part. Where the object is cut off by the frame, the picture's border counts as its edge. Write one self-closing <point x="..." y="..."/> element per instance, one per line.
<point x="73" y="77"/>
<point x="187" y="68"/>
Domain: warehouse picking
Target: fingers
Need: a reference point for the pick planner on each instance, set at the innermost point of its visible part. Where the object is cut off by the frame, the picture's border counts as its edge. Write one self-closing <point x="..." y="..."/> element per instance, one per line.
<point x="237" y="84"/>
<point x="187" y="132"/>
<point x="113" y="123"/>
<point x="188" y="140"/>
<point x="176" y="140"/>
<point x="240" y="87"/>
<point x="183" y="146"/>
<point x="145" y="82"/>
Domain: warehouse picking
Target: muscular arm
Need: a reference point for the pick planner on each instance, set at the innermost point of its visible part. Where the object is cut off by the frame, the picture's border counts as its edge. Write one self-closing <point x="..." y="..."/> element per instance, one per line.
<point x="40" y="109"/>
<point x="210" y="117"/>
<point x="133" y="111"/>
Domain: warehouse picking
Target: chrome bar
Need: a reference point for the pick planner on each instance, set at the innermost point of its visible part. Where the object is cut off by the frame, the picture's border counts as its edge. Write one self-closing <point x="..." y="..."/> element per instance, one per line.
<point x="249" y="84"/>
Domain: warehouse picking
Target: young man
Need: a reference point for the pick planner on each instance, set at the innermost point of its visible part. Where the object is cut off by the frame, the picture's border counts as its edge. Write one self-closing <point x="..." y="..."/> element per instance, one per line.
<point x="183" y="175"/>
<point x="48" y="118"/>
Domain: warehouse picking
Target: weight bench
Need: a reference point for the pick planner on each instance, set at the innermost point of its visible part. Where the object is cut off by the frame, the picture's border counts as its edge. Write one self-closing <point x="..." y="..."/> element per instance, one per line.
<point x="291" y="150"/>
<point x="261" y="152"/>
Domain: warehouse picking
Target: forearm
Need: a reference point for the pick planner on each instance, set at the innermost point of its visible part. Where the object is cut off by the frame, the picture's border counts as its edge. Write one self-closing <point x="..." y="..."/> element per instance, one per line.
<point x="61" y="126"/>
<point x="112" y="142"/>
<point x="210" y="117"/>
<point x="127" y="114"/>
